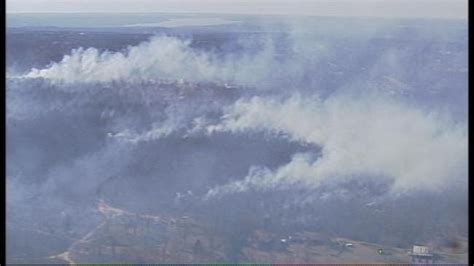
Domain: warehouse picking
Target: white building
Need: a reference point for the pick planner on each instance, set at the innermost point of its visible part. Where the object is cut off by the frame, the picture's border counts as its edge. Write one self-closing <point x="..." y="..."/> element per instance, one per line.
<point x="421" y="250"/>
<point x="422" y="254"/>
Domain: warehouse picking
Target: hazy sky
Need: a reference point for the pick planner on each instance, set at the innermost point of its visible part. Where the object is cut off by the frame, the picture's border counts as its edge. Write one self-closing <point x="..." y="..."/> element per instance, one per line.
<point x="379" y="8"/>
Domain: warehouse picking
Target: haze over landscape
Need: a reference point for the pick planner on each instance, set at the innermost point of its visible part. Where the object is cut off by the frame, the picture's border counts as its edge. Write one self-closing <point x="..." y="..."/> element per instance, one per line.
<point x="211" y="137"/>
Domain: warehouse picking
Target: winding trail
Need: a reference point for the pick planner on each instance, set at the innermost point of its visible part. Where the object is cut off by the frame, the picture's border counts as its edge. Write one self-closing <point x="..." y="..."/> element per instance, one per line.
<point x="109" y="212"/>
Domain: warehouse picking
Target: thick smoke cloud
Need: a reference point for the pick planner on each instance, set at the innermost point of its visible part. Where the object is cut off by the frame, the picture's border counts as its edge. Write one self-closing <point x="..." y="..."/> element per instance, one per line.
<point x="359" y="137"/>
<point x="160" y="59"/>
<point x="371" y="136"/>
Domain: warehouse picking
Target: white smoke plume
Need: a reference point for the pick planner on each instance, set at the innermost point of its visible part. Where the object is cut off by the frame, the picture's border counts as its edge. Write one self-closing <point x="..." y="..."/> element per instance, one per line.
<point x="160" y="59"/>
<point x="359" y="137"/>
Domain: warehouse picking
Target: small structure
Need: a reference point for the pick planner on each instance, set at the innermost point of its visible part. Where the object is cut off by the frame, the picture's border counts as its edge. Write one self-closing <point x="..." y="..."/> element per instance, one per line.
<point x="349" y="245"/>
<point x="198" y="247"/>
<point x="283" y="245"/>
<point x="422" y="253"/>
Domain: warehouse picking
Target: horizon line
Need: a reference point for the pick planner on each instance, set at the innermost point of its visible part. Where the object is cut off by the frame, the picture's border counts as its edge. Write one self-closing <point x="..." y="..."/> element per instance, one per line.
<point x="240" y="13"/>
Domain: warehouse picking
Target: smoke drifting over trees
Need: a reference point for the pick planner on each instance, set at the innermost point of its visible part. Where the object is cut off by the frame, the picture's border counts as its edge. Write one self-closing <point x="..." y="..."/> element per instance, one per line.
<point x="287" y="129"/>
